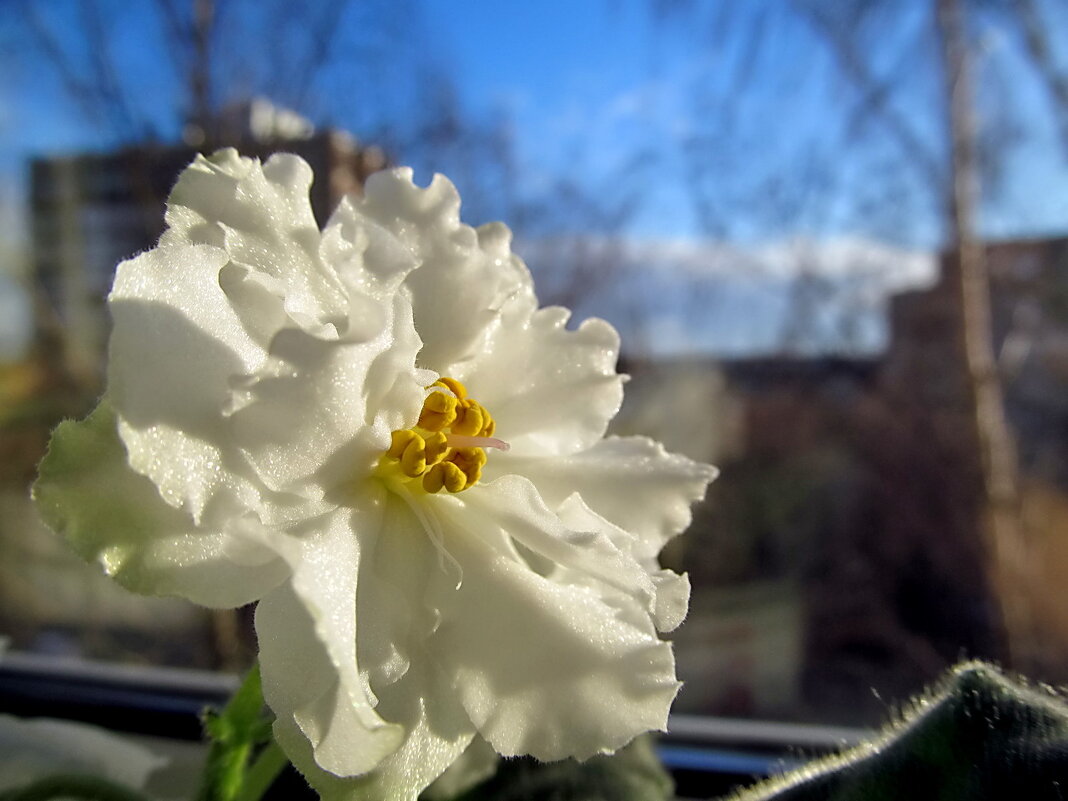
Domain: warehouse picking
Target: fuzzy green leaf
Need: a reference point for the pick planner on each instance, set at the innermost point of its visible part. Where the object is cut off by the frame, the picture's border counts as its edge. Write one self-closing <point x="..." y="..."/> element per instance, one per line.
<point x="978" y="736"/>
<point x="236" y="734"/>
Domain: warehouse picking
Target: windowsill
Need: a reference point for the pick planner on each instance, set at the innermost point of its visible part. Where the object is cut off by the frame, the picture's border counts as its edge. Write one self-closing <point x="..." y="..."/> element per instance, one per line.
<point x="706" y="755"/>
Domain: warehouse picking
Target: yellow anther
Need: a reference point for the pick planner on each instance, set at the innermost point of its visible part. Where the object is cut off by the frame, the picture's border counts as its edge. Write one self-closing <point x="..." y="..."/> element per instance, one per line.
<point x="455" y="478"/>
<point x="399" y="440"/>
<point x="413" y="460"/>
<point x="472" y="456"/>
<point x="451" y="384"/>
<point x="439" y="411"/>
<point x="437" y="445"/>
<point x="447" y="475"/>
<point x="443" y="448"/>
<point x="469" y="419"/>
<point x="470" y="462"/>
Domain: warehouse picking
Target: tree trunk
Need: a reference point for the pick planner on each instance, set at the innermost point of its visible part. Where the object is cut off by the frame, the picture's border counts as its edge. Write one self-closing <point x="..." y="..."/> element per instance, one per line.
<point x="1006" y="553"/>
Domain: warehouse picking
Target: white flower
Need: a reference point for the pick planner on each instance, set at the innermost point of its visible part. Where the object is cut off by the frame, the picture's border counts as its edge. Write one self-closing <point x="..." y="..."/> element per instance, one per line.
<point x="283" y="403"/>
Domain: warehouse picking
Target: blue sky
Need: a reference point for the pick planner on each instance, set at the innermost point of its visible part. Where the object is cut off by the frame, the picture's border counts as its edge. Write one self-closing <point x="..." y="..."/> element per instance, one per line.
<point x="586" y="85"/>
<point x="598" y="93"/>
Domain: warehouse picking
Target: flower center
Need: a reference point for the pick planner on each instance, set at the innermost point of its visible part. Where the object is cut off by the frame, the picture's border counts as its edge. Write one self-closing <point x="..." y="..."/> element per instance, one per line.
<point x="445" y="449"/>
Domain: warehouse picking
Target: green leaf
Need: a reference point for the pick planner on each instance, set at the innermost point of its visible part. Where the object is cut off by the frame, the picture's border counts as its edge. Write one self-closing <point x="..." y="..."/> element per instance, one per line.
<point x="978" y="736"/>
<point x="632" y="774"/>
<point x="232" y="770"/>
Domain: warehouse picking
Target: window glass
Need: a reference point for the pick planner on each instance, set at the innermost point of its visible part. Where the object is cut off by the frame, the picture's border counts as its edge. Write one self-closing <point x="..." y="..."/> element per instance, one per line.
<point x="780" y="206"/>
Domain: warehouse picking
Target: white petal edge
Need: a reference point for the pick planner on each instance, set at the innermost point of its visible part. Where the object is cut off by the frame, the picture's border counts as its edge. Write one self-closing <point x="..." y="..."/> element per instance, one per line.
<point x="630" y="481"/>
<point x="261" y="215"/>
<point x="542" y="668"/>
<point x="551" y="390"/>
<point x="464" y="276"/>
<point x="115" y="517"/>
<point x="307" y="630"/>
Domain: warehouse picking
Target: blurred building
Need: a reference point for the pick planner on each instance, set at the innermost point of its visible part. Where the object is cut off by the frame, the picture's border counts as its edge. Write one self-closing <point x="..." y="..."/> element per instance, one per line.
<point x="1029" y="308"/>
<point x="1029" y="305"/>
<point x="840" y="551"/>
<point x="91" y="211"/>
<point x="768" y="423"/>
<point x="899" y="581"/>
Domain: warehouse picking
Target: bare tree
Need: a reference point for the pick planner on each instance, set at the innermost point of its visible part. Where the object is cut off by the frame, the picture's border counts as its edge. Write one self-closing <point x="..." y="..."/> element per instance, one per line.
<point x="94" y="86"/>
<point x="570" y="232"/>
<point x="928" y="114"/>
<point x="996" y="447"/>
<point x="955" y="183"/>
<point x="220" y="52"/>
<point x="1041" y="49"/>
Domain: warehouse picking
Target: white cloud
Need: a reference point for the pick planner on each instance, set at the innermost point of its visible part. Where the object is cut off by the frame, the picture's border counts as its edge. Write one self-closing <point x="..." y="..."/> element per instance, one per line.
<point x="695" y="295"/>
<point x="841" y="257"/>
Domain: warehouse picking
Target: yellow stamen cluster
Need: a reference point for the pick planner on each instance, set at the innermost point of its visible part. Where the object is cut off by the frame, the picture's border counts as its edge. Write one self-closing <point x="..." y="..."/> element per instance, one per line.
<point x="425" y="451"/>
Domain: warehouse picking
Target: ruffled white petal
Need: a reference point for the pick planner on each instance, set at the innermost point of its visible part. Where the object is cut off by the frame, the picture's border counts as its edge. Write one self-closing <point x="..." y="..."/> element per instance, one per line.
<point x="545" y="668"/>
<point x="366" y="255"/>
<point x="115" y="517"/>
<point x="307" y="632"/>
<point x="261" y="216"/>
<point x="322" y="411"/>
<point x="591" y="548"/>
<point x="400" y="777"/>
<point x="396" y="654"/>
<point x="437" y="732"/>
<point x="463" y="277"/>
<point x="398" y="562"/>
<point x="175" y="345"/>
<point x="551" y="390"/>
<point x="665" y="594"/>
<point x="631" y="481"/>
<point x="387" y="726"/>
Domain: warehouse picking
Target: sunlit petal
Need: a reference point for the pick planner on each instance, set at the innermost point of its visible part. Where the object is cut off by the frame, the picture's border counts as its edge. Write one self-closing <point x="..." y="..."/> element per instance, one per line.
<point x="464" y="275"/>
<point x="542" y="667"/>
<point x="115" y="517"/>
<point x="631" y="481"/>
<point x="552" y="389"/>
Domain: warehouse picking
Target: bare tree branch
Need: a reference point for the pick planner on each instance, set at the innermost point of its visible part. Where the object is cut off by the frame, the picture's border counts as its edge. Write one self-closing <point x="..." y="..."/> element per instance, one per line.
<point x="1040" y="50"/>
<point x="322" y="40"/>
<point x="875" y="93"/>
<point x="82" y="91"/>
<point x="179" y="35"/>
<point x="110" y="88"/>
<point x="95" y="87"/>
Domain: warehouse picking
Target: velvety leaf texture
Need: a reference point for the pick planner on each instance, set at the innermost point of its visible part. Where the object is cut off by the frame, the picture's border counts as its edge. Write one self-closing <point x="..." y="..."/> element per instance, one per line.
<point x="978" y="736"/>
